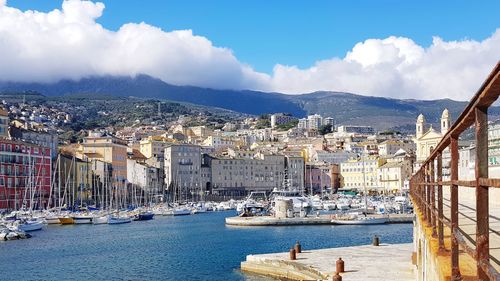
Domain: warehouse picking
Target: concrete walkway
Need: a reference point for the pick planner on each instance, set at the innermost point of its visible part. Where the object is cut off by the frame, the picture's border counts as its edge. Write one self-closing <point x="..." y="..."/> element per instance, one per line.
<point x="385" y="262"/>
<point x="467" y="216"/>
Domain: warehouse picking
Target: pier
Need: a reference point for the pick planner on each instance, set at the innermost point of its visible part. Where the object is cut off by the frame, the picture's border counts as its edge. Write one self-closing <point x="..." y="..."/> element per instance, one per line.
<point x="361" y="263"/>
<point x="309" y="220"/>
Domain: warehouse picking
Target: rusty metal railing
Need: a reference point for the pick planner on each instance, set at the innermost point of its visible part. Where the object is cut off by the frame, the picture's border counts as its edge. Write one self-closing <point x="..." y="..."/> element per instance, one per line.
<point x="426" y="185"/>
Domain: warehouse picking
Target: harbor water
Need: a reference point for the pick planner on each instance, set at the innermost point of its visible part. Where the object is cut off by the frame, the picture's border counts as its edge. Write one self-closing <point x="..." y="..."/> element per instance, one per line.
<point x="196" y="247"/>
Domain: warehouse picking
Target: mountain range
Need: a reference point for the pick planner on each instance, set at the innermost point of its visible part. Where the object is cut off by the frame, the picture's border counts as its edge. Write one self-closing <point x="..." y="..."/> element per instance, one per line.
<point x="345" y="108"/>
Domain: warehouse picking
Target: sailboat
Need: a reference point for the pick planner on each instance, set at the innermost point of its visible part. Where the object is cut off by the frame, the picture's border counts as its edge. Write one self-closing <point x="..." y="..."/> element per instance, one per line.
<point x="117" y="218"/>
<point x="30" y="225"/>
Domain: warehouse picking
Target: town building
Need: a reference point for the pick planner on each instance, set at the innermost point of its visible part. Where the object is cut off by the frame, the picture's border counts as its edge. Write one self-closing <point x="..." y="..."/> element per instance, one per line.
<point x="361" y="173"/>
<point x="280" y="118"/>
<point x="362" y="130"/>
<point x="41" y="138"/>
<point x="427" y="139"/>
<point x="302" y="124"/>
<point x="25" y="175"/>
<point x="395" y="172"/>
<point x="240" y="176"/>
<point x="183" y="170"/>
<point x="109" y="149"/>
<point x="314" y="122"/>
<point x="390" y="147"/>
<point x="154" y="146"/>
<point x="4" y="123"/>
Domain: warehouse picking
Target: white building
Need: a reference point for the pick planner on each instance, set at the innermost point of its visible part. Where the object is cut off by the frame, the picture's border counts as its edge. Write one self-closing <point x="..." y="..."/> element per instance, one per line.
<point x="362" y="130"/>
<point x="182" y="169"/>
<point x="302" y="124"/>
<point x="280" y="118"/>
<point x="329" y="121"/>
<point x="314" y="122"/>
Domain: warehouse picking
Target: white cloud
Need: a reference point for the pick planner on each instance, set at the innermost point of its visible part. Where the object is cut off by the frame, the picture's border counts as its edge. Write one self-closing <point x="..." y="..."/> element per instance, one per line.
<point x="68" y="43"/>
<point x="398" y="67"/>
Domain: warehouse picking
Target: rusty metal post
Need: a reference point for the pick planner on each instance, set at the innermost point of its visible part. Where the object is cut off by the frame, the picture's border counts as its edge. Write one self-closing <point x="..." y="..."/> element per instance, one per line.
<point x="433" y="198"/>
<point x="339" y="265"/>
<point x="428" y="195"/>
<point x="298" y="247"/>
<point x="293" y="255"/>
<point x="482" y="211"/>
<point x="337" y="277"/>
<point x="455" y="270"/>
<point x="440" y="201"/>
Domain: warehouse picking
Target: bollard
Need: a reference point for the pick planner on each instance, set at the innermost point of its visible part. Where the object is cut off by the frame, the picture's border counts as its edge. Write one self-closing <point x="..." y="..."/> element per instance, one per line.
<point x="298" y="248"/>
<point x="292" y="255"/>
<point x="337" y="277"/>
<point x="376" y="240"/>
<point x="340" y="265"/>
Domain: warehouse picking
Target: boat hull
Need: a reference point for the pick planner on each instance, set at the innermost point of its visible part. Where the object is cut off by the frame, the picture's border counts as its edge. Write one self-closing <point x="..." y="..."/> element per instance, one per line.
<point x="31" y="226"/>
<point x="144" y="217"/>
<point x="182" y="212"/>
<point x="82" y="220"/>
<point x="100" y="220"/>
<point x="52" y="220"/>
<point x="361" y="221"/>
<point x="65" y="221"/>
<point x="123" y="220"/>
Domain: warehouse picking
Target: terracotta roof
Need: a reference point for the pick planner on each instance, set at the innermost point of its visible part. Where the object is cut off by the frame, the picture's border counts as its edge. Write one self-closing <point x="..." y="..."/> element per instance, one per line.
<point x="137" y="155"/>
<point x="4" y="112"/>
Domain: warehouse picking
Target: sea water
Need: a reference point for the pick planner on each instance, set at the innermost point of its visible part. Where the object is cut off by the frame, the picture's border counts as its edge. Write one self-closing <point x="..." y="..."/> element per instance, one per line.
<point x="196" y="247"/>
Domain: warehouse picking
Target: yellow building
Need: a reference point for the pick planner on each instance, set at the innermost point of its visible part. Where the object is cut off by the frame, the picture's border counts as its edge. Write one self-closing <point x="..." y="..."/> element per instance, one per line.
<point x="427" y="139"/>
<point x="108" y="149"/>
<point x="154" y="146"/>
<point x="361" y="172"/>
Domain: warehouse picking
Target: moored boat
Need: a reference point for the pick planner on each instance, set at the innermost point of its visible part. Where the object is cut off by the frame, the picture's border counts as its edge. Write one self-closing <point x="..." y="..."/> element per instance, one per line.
<point x="361" y="221"/>
<point x="144" y="216"/>
<point x="30" y="225"/>
<point x="66" y="220"/>
<point x="82" y="219"/>
<point x="118" y="220"/>
<point x="100" y="220"/>
<point x="181" y="211"/>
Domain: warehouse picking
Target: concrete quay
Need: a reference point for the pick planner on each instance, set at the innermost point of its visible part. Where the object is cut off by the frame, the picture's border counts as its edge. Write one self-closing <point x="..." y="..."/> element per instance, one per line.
<point x="385" y="262"/>
<point x="310" y="220"/>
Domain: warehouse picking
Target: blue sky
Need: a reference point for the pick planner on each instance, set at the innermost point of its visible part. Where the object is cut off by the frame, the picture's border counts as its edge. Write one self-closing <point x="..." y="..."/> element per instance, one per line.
<point x="263" y="33"/>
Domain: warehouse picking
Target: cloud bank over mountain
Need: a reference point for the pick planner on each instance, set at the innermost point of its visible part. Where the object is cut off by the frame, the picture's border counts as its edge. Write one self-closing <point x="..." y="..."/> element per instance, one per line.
<point x="68" y="43"/>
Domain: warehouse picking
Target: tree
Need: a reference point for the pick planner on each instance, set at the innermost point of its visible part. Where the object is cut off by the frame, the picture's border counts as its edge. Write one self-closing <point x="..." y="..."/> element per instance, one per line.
<point x="325" y="129"/>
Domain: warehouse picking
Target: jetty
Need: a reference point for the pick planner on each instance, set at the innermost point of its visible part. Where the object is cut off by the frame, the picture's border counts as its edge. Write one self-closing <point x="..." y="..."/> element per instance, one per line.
<point x="360" y="263"/>
<point x="309" y="220"/>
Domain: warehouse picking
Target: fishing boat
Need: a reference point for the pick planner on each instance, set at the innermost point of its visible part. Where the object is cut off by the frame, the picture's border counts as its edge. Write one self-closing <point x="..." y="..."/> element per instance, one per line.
<point x="118" y="220"/>
<point x="66" y="220"/>
<point x="144" y="216"/>
<point x="30" y="225"/>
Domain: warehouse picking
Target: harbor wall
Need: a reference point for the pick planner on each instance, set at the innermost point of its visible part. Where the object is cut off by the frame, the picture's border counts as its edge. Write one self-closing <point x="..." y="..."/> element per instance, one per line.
<point x="434" y="264"/>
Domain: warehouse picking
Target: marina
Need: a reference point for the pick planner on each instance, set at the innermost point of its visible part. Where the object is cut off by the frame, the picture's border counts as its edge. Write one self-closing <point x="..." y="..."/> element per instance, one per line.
<point x="167" y="246"/>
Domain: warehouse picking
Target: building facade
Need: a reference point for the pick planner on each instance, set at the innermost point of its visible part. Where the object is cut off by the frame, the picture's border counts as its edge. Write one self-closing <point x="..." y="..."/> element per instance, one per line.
<point x="25" y="175"/>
